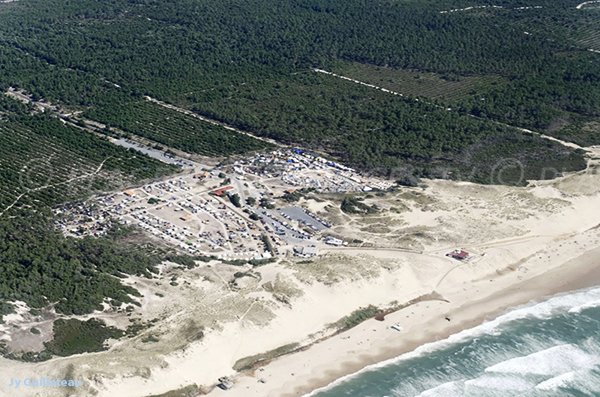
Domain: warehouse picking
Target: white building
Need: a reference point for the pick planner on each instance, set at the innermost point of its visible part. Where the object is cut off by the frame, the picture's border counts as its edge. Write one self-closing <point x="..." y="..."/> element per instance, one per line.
<point x="306" y="251"/>
<point x="334" y="241"/>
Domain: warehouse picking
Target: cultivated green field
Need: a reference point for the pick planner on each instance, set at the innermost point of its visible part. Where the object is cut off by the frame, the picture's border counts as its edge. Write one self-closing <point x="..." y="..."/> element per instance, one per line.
<point x="51" y="163"/>
<point x="414" y="83"/>
<point x="175" y="129"/>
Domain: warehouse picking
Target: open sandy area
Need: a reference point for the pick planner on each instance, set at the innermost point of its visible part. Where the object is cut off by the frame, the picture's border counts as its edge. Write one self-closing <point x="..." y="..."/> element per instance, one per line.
<point x="374" y="341"/>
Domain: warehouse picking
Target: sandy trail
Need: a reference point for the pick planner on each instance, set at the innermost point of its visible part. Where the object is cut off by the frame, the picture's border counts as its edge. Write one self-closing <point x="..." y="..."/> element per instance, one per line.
<point x="547" y="137"/>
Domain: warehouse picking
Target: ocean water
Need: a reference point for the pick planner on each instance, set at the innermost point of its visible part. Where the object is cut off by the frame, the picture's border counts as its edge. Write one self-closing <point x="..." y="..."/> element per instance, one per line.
<point x="545" y="349"/>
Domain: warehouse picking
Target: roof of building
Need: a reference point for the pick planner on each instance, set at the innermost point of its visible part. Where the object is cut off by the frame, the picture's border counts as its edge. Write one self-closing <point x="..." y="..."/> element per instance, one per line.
<point x="459" y="254"/>
<point x="221" y="191"/>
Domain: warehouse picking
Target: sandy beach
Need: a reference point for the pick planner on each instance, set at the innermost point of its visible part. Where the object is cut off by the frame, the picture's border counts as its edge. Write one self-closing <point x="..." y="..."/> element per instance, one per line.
<point x="374" y="341"/>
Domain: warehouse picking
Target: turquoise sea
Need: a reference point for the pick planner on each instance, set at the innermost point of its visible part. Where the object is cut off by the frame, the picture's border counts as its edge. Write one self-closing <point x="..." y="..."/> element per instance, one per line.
<point x="544" y="349"/>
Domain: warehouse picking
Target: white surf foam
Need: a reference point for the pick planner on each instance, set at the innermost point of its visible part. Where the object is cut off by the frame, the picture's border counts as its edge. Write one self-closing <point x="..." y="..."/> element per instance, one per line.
<point x="588" y="305"/>
<point x="449" y="389"/>
<point x="587" y="381"/>
<point x="553" y="305"/>
<point x="546" y="309"/>
<point x="550" y="362"/>
<point x="498" y="382"/>
<point x="557" y="381"/>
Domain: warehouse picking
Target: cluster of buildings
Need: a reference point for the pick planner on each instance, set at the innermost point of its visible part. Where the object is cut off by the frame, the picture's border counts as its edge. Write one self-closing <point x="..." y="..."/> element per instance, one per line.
<point x="83" y="219"/>
<point x="178" y="211"/>
<point x="195" y="215"/>
<point x="308" y="251"/>
<point x="180" y="237"/>
<point x="228" y="211"/>
<point x="334" y="241"/>
<point x="303" y="169"/>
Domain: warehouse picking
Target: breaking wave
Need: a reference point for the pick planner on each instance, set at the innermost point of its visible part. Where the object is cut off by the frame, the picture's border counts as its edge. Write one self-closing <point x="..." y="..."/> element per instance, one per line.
<point x="553" y="361"/>
<point x="545" y="349"/>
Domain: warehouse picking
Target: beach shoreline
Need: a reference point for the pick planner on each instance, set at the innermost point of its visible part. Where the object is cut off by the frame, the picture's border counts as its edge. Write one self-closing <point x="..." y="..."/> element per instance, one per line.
<point x="557" y="286"/>
<point x="373" y="343"/>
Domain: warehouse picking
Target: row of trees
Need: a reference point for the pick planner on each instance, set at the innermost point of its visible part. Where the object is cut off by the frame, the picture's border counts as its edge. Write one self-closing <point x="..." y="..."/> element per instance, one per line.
<point x="173" y="129"/>
<point x="40" y="266"/>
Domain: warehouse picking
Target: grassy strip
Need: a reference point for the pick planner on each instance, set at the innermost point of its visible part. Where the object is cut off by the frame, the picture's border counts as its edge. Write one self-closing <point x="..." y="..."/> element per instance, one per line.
<point x="252" y="361"/>
<point x="188" y="391"/>
<point x="356" y="317"/>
